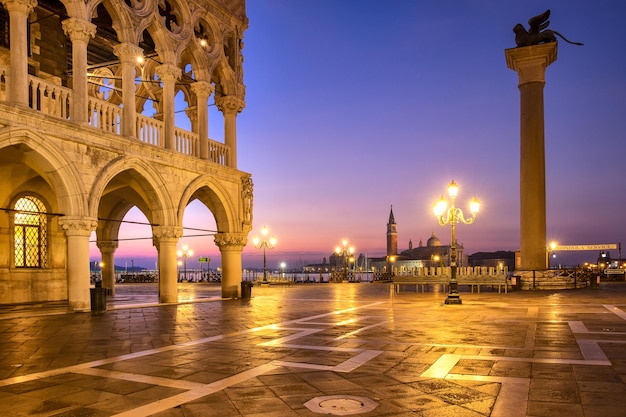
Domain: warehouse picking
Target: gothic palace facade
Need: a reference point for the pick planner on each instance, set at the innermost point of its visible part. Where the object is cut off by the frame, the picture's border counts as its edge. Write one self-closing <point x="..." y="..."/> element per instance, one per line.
<point x="78" y="151"/>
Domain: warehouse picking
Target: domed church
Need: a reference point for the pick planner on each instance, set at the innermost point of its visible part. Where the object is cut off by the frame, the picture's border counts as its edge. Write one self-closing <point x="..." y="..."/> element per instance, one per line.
<point x="434" y="254"/>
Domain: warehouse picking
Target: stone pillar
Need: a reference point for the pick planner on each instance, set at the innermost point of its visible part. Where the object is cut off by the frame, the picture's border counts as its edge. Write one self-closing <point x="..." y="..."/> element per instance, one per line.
<point x="230" y="106"/>
<point x="107" y="249"/>
<point x="203" y="91"/>
<point x="530" y="63"/>
<point x="128" y="53"/>
<point x="231" y="245"/>
<point x="79" y="32"/>
<point x="168" y="75"/>
<point x="18" y="75"/>
<point x="165" y="239"/>
<point x="77" y="231"/>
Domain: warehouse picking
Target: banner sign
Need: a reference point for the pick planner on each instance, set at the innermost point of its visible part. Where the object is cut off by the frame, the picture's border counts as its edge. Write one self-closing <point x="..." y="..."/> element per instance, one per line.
<point x="203" y="259"/>
<point x="586" y="247"/>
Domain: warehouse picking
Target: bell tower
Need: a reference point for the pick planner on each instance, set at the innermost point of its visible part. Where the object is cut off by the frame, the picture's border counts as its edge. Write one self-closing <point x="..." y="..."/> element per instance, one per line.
<point x="392" y="235"/>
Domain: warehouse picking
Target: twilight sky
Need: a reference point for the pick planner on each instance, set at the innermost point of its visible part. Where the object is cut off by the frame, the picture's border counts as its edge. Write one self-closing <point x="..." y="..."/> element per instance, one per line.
<point x="356" y="105"/>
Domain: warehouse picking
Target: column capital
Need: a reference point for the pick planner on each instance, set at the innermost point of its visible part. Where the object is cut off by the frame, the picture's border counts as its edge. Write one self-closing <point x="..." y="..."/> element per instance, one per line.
<point x="107" y="246"/>
<point x="232" y="241"/>
<point x="230" y="104"/>
<point x="127" y="52"/>
<point x="168" y="72"/>
<point x="22" y="6"/>
<point x="78" y="29"/>
<point x="192" y="112"/>
<point x="78" y="226"/>
<point x="202" y="89"/>
<point x="530" y="62"/>
<point x="167" y="232"/>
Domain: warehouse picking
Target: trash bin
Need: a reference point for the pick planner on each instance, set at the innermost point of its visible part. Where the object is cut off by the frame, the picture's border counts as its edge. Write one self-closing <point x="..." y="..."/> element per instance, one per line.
<point x="98" y="300"/>
<point x="246" y="289"/>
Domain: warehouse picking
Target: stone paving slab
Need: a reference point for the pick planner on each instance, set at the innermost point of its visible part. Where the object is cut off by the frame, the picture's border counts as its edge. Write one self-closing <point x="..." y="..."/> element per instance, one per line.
<point x="344" y="349"/>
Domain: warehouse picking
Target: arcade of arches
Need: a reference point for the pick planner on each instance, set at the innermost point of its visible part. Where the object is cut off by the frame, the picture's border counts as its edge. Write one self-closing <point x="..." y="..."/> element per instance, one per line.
<point x="88" y="130"/>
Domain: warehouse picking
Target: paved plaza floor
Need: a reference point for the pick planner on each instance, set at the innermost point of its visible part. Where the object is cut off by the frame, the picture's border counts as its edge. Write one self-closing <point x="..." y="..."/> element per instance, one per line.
<point x="319" y="349"/>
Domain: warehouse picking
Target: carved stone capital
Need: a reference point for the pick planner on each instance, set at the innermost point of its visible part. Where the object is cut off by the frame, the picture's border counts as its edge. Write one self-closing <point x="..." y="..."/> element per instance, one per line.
<point x="168" y="72"/>
<point x="77" y="226"/>
<point x="20" y="6"/>
<point x="107" y="246"/>
<point x="78" y="29"/>
<point x="127" y="52"/>
<point x="231" y="240"/>
<point x="167" y="232"/>
<point x="192" y="112"/>
<point x="202" y="89"/>
<point x="230" y="104"/>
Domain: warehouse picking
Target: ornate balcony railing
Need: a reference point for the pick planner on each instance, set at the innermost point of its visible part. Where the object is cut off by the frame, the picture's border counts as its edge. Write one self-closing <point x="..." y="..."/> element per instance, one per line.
<point x="55" y="100"/>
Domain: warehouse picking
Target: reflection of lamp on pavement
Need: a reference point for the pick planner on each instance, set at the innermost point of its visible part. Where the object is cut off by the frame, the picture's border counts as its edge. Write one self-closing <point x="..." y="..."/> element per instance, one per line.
<point x="264" y="243"/>
<point x="390" y="260"/>
<point x="185" y="252"/>
<point x="452" y="216"/>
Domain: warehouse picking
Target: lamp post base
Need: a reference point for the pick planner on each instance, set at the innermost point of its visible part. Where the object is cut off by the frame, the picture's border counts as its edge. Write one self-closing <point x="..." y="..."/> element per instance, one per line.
<point x="453" y="299"/>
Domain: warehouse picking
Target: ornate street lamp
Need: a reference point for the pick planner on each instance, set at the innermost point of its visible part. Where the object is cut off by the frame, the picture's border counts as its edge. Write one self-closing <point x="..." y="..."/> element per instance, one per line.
<point x="346" y="252"/>
<point x="264" y="243"/>
<point x="184" y="252"/>
<point x="452" y="216"/>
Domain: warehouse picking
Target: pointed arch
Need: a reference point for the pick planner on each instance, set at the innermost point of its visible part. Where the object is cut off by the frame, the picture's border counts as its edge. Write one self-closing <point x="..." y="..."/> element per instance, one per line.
<point x="215" y="197"/>
<point x="52" y="165"/>
<point x="145" y="180"/>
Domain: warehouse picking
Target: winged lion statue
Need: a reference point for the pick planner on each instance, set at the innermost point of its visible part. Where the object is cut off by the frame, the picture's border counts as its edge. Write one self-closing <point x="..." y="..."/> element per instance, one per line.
<point x="537" y="32"/>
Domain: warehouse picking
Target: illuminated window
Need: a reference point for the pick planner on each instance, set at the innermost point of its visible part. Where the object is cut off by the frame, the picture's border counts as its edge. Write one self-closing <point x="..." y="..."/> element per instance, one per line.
<point x="30" y="233"/>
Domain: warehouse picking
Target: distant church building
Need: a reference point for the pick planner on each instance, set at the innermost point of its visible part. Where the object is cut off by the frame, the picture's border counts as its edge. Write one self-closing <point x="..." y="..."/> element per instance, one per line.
<point x="434" y="254"/>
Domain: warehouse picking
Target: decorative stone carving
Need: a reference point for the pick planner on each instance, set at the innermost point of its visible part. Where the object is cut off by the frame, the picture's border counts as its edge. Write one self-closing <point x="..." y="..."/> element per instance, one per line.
<point x="127" y="52"/>
<point x="167" y="232"/>
<point x="21" y="6"/>
<point x="168" y="72"/>
<point x="230" y="104"/>
<point x="107" y="246"/>
<point x="247" y="199"/>
<point x="77" y="226"/>
<point x="78" y="29"/>
<point x="230" y="240"/>
<point x="202" y="89"/>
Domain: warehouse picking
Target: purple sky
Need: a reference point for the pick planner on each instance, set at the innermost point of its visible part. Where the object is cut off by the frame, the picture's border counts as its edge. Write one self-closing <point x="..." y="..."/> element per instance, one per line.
<point x="356" y="105"/>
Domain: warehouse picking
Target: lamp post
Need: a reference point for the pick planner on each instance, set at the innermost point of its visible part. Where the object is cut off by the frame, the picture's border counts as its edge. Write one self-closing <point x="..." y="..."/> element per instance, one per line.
<point x="264" y="243"/>
<point x="346" y="252"/>
<point x="452" y="216"/>
<point x="551" y="253"/>
<point x="184" y="252"/>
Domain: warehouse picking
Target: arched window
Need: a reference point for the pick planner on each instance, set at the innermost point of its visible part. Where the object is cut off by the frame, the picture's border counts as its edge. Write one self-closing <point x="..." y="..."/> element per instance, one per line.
<point x="30" y="233"/>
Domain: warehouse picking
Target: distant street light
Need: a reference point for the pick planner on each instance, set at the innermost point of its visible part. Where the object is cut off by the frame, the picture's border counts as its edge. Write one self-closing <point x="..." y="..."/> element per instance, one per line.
<point x="264" y="243"/>
<point x="346" y="252"/>
<point x="551" y="253"/>
<point x="184" y="252"/>
<point x="452" y="216"/>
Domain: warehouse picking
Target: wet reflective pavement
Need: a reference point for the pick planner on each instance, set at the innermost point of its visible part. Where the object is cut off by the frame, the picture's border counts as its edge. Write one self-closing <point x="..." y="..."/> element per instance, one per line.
<point x="319" y="349"/>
